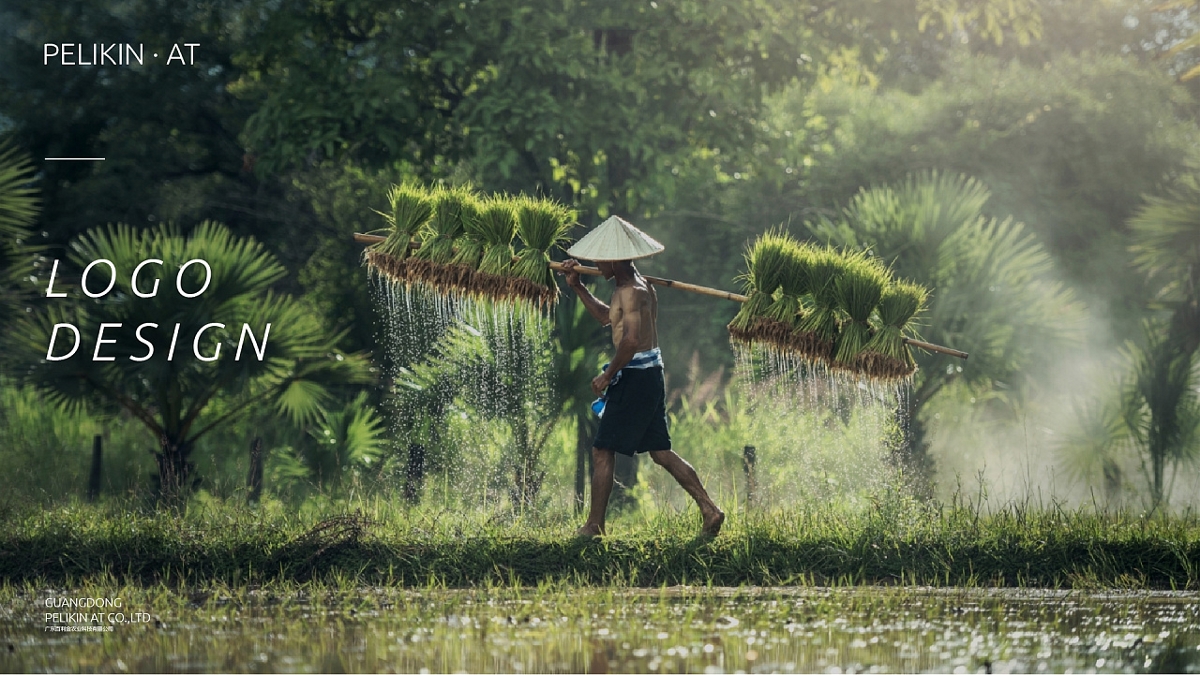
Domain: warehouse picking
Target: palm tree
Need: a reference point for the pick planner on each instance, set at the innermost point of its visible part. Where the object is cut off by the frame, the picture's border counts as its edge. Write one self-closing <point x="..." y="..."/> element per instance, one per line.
<point x="18" y="208"/>
<point x="342" y="443"/>
<point x="1162" y="405"/>
<point x="992" y="294"/>
<point x="579" y="341"/>
<point x="498" y="370"/>
<point x="175" y="391"/>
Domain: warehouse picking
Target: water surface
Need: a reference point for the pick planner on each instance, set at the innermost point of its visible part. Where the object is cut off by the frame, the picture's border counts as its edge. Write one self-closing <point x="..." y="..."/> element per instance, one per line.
<point x="561" y="629"/>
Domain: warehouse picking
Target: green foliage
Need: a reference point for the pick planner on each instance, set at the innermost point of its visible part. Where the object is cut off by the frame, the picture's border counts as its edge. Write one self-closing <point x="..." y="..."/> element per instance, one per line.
<point x="45" y="452"/>
<point x="18" y="209"/>
<point x="1067" y="145"/>
<point x="1165" y="237"/>
<point x="344" y="443"/>
<point x="18" y="198"/>
<point x="1162" y="408"/>
<point x="500" y="372"/>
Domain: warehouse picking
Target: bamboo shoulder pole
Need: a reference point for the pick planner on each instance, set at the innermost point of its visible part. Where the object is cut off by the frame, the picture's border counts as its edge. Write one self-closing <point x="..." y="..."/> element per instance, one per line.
<point x="592" y="271"/>
<point x="692" y="288"/>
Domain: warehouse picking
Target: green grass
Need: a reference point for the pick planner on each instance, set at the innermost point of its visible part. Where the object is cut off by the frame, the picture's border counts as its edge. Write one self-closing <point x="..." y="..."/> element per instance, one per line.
<point x="891" y="542"/>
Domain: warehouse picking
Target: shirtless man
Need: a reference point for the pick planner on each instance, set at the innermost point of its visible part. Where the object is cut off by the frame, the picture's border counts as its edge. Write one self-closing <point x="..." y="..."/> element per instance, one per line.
<point x="635" y="416"/>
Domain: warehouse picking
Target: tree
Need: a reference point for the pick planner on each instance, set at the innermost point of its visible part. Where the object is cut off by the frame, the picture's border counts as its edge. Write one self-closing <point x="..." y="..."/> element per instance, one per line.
<point x="578" y="344"/>
<point x="1069" y="148"/>
<point x="174" y="385"/>
<point x="497" y="369"/>
<point x="1162" y="404"/>
<point x="18" y="209"/>
<point x="168" y="133"/>
<point x="992" y="293"/>
<point x="342" y="444"/>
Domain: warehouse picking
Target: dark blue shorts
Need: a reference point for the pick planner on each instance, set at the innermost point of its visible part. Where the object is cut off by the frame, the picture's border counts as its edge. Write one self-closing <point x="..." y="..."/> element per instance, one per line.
<point x="635" y="416"/>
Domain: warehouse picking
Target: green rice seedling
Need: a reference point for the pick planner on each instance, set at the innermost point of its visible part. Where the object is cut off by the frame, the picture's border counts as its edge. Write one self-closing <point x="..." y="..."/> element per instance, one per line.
<point x="430" y="262"/>
<point x="888" y="356"/>
<point x="468" y="249"/>
<point x="541" y="225"/>
<point x="767" y="260"/>
<point x="818" y="329"/>
<point x="446" y="225"/>
<point x="411" y="206"/>
<point x="857" y="290"/>
<point x="496" y="226"/>
<point x="470" y="244"/>
<point x="785" y="308"/>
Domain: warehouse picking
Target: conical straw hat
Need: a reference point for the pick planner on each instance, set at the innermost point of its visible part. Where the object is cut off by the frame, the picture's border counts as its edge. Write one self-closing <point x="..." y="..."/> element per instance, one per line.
<point x="615" y="239"/>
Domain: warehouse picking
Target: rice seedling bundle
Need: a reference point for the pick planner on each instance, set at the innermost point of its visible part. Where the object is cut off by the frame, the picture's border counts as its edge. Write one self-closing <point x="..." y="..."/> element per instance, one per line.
<point x="431" y="262"/>
<point x="497" y="225"/>
<point x="541" y="225"/>
<point x="818" y="329"/>
<point x="887" y="356"/>
<point x="857" y="288"/>
<point x="410" y="207"/>
<point x="767" y="261"/>
<point x="785" y="307"/>
<point x="468" y="248"/>
<point x="494" y="227"/>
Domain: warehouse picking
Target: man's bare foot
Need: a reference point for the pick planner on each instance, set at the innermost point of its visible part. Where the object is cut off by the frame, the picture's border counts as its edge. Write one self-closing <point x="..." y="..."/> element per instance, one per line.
<point x="589" y="531"/>
<point x="712" y="523"/>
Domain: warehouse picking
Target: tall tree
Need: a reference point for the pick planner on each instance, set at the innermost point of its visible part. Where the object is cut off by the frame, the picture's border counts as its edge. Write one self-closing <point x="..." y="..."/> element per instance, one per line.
<point x="1163" y="407"/>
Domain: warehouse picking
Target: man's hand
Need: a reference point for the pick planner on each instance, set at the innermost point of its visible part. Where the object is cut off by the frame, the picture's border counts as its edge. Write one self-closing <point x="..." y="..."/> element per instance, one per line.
<point x="600" y="383"/>
<point x="569" y="272"/>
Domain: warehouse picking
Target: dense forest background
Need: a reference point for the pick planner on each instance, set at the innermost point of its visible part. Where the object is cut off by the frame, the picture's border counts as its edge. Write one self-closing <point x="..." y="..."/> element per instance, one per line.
<point x="1064" y="131"/>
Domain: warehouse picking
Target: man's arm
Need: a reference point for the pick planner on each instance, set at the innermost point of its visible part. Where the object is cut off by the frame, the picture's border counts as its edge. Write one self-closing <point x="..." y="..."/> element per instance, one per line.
<point x="597" y="309"/>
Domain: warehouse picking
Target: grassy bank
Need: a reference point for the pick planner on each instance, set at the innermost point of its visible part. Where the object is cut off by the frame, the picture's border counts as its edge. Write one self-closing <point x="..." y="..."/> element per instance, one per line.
<point x="376" y="542"/>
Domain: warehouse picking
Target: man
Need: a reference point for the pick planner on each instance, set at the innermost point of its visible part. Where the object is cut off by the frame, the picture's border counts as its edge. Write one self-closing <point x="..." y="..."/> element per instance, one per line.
<point x="634" y="415"/>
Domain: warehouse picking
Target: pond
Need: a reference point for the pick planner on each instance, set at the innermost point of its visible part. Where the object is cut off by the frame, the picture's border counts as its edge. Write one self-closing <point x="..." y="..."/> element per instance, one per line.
<point x="298" y="628"/>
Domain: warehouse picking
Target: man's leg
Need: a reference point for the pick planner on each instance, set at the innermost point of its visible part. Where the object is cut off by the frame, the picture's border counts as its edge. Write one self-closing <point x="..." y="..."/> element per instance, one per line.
<point x="686" y="476"/>
<point x="603" y="462"/>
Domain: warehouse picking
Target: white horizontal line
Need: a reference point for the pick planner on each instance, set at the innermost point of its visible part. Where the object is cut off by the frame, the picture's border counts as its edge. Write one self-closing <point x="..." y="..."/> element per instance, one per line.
<point x="74" y="159"/>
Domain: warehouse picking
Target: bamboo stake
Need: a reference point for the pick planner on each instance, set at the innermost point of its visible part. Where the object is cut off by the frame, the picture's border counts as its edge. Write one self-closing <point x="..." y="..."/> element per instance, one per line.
<point x="692" y="288"/>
